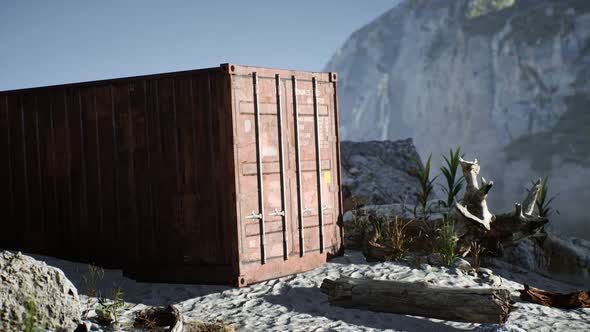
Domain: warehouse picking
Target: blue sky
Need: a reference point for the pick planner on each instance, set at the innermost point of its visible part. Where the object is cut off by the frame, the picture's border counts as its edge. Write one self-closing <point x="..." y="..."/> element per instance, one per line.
<point x="63" y="41"/>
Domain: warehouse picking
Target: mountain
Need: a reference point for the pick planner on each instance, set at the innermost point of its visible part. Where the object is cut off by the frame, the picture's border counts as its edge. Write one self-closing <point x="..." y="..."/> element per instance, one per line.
<point x="506" y="80"/>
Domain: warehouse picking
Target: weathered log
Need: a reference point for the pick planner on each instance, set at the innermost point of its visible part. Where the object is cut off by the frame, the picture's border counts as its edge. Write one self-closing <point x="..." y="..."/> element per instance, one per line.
<point x="573" y="300"/>
<point x="483" y="305"/>
<point x="474" y="222"/>
<point x="512" y="227"/>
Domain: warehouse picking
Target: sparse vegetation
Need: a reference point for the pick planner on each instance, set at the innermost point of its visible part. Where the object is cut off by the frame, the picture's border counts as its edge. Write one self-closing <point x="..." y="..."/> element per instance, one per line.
<point x="168" y="318"/>
<point x="479" y="8"/>
<point x="399" y="239"/>
<point x="426" y="184"/>
<point x="380" y="226"/>
<point x="391" y="238"/>
<point x="30" y="316"/>
<point x="91" y="279"/>
<point x="543" y="202"/>
<point x="447" y="240"/>
<point x="109" y="310"/>
<point x="216" y="326"/>
<point x="477" y="252"/>
<point x="453" y="185"/>
<point x="359" y="223"/>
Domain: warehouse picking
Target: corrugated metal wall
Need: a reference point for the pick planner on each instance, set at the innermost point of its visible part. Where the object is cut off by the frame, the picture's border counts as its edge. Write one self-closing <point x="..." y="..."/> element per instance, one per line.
<point x="142" y="173"/>
<point x="119" y="169"/>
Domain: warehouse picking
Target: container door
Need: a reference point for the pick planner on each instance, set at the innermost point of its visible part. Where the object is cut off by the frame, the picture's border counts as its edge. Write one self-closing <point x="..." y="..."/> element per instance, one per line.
<point x="312" y="152"/>
<point x="260" y="144"/>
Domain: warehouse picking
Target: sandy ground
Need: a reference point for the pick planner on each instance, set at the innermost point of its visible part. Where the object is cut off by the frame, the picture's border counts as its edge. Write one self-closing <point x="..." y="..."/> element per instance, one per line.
<point x="295" y="303"/>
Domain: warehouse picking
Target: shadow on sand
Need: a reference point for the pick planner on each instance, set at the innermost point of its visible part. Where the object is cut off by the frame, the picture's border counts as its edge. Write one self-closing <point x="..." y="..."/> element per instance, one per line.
<point x="151" y="294"/>
<point x="313" y="302"/>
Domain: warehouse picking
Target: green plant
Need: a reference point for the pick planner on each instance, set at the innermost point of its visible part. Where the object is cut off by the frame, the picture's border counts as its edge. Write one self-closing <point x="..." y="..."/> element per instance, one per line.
<point x="380" y="226"/>
<point x="542" y="201"/>
<point x="94" y="275"/>
<point x="359" y="225"/>
<point x="30" y="316"/>
<point x="447" y="240"/>
<point x="423" y="175"/>
<point x="398" y="237"/>
<point x="109" y="309"/>
<point x="453" y="185"/>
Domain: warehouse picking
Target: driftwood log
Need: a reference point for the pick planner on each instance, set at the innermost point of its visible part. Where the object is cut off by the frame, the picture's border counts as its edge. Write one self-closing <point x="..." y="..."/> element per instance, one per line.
<point x="573" y="300"/>
<point x="474" y="221"/>
<point x="420" y="299"/>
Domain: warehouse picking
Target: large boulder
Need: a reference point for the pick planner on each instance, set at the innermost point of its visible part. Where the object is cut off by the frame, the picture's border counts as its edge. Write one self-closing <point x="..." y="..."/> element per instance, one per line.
<point x="32" y="290"/>
<point x="378" y="172"/>
<point x="562" y="257"/>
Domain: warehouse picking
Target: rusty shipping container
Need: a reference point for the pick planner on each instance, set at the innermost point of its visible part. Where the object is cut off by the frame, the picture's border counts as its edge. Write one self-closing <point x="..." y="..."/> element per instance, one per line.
<point x="225" y="175"/>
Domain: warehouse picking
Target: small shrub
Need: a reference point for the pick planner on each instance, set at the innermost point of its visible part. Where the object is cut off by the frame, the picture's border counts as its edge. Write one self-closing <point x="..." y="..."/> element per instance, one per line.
<point x="30" y="316"/>
<point x="109" y="309"/>
<point x="359" y="221"/>
<point x="390" y="239"/>
<point x="426" y="184"/>
<point x="477" y="252"/>
<point x="91" y="280"/>
<point x="380" y="226"/>
<point x="154" y="319"/>
<point x="543" y="203"/>
<point x="215" y="326"/>
<point x="447" y="240"/>
<point x="453" y="185"/>
<point x="399" y="239"/>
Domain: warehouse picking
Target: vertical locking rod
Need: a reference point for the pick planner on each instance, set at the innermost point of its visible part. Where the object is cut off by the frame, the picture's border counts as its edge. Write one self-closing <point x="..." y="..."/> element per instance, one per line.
<point x="318" y="161"/>
<point x="298" y="167"/>
<point x="259" y="169"/>
<point x="282" y="166"/>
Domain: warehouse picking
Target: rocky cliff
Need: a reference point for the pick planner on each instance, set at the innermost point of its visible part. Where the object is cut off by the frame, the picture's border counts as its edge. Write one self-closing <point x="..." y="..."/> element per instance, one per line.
<point x="507" y="80"/>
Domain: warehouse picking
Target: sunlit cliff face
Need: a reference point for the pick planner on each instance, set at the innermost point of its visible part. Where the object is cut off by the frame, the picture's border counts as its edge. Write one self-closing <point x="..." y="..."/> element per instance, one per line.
<point x="506" y="80"/>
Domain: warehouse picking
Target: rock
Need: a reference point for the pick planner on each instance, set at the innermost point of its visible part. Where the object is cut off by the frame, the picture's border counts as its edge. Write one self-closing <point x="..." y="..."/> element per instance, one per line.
<point x="435" y="259"/>
<point x="483" y="270"/>
<point x="562" y="257"/>
<point x="493" y="281"/>
<point x="454" y="270"/>
<point x="461" y="265"/>
<point x="347" y="217"/>
<point x="378" y="171"/>
<point x="425" y="267"/>
<point x="27" y="282"/>
<point x="83" y="327"/>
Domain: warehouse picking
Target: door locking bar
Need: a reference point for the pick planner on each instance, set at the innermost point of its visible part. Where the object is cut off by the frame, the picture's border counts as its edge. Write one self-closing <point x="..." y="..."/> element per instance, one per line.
<point x="259" y="169"/>
<point x="276" y="212"/>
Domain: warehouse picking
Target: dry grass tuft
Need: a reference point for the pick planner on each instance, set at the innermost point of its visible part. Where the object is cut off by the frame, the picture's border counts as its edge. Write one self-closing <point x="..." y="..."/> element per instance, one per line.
<point x="216" y="326"/>
<point x="477" y="252"/>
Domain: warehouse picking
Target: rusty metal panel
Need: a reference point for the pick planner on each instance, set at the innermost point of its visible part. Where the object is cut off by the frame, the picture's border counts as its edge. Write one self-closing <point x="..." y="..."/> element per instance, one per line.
<point x="165" y="173"/>
<point x="311" y="113"/>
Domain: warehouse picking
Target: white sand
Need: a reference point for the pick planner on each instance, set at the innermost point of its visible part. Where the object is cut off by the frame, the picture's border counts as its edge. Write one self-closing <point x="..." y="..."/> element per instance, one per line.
<point x="295" y="303"/>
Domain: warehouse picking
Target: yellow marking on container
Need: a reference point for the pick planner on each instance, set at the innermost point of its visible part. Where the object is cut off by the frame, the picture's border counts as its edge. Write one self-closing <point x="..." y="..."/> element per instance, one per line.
<point x="327" y="177"/>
